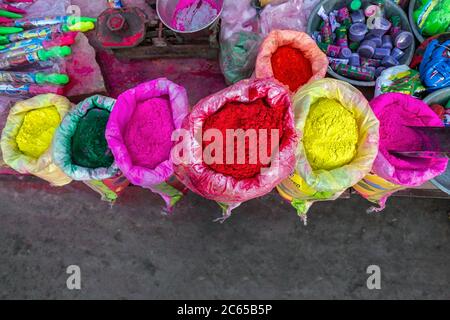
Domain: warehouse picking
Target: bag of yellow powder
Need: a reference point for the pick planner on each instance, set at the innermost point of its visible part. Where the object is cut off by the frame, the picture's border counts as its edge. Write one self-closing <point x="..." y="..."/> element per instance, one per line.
<point x="27" y="137"/>
<point x="339" y="142"/>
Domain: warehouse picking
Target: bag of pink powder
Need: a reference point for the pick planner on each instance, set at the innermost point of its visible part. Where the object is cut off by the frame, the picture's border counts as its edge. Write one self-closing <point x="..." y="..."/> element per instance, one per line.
<point x="139" y="134"/>
<point x="238" y="144"/>
<point x="391" y="172"/>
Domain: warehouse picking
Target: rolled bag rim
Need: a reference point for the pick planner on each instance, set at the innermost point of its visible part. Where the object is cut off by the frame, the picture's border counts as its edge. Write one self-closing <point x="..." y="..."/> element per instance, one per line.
<point x="297" y="40"/>
<point x="251" y="188"/>
<point x="137" y="175"/>
<point x="44" y="167"/>
<point x="63" y="136"/>
<point x="405" y="177"/>
<point x="368" y="124"/>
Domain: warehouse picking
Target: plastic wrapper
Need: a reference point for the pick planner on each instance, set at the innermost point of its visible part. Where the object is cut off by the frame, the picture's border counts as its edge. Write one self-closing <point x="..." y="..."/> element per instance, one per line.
<point x="63" y="141"/>
<point x="158" y="179"/>
<point x="44" y="166"/>
<point x="435" y="66"/>
<point x="399" y="79"/>
<point x="296" y="40"/>
<point x="307" y="185"/>
<point x="238" y="55"/>
<point x="289" y="15"/>
<point x="389" y="173"/>
<point x="225" y="189"/>
<point x="238" y="16"/>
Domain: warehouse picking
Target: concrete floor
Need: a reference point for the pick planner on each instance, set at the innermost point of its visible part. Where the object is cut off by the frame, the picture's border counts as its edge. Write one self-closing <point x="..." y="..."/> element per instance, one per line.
<point x="132" y="251"/>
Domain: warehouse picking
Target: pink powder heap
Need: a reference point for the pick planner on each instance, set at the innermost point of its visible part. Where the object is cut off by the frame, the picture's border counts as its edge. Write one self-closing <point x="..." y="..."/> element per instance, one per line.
<point x="193" y="15"/>
<point x="148" y="133"/>
<point x="395" y="135"/>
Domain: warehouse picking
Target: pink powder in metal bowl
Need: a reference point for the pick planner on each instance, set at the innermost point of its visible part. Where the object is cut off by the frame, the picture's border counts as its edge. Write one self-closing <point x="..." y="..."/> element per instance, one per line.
<point x="148" y="133"/>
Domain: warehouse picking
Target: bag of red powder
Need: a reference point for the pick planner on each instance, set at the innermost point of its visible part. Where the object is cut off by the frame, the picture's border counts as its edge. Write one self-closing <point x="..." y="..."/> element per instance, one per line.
<point x="291" y="57"/>
<point x="221" y="163"/>
<point x="391" y="173"/>
<point x="139" y="134"/>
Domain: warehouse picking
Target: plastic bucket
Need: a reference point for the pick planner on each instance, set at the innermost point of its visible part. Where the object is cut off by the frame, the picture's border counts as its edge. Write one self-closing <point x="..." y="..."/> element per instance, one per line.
<point x="413" y="5"/>
<point x="391" y="9"/>
<point x="166" y="10"/>
<point x="440" y="97"/>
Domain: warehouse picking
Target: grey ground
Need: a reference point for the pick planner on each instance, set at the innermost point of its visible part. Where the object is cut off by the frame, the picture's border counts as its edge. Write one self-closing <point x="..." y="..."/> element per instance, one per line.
<point x="132" y="251"/>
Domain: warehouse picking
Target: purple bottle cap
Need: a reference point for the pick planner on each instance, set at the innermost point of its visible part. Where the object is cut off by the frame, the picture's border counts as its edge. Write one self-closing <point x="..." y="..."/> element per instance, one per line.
<point x="397" y="54"/>
<point x="358" y="16"/>
<point x="403" y="40"/>
<point x="379" y="70"/>
<point x="367" y="49"/>
<point x="387" y="42"/>
<point x="389" y="61"/>
<point x="380" y="53"/>
<point x="345" y="53"/>
<point x="354" y="60"/>
<point x="357" y="32"/>
<point x="374" y="38"/>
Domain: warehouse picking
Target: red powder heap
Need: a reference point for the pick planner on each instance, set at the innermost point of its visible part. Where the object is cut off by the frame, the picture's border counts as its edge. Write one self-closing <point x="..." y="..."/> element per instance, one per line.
<point x="235" y="115"/>
<point x="290" y="67"/>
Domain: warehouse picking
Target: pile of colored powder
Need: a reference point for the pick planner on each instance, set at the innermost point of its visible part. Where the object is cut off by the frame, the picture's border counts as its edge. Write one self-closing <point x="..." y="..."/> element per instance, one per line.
<point x="235" y="115"/>
<point x="331" y="135"/>
<point x="395" y="135"/>
<point x="36" y="133"/>
<point x="149" y="132"/>
<point x="290" y="67"/>
<point x="89" y="146"/>
<point x="190" y="15"/>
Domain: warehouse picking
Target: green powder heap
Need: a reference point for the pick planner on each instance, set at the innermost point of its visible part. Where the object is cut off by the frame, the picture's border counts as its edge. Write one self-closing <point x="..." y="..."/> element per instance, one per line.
<point x="89" y="146"/>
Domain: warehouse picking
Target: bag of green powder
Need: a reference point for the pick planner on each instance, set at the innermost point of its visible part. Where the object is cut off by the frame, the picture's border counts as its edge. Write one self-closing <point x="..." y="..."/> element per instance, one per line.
<point x="339" y="143"/>
<point x="81" y="151"/>
<point x="26" y="140"/>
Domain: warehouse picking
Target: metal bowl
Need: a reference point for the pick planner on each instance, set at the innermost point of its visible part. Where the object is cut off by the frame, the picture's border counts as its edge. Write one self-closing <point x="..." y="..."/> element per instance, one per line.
<point x="413" y="5"/>
<point x="391" y="9"/>
<point x="166" y="9"/>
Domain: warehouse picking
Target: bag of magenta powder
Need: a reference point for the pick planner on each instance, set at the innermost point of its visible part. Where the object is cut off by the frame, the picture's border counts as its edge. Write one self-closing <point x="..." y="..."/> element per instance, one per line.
<point x="139" y="134"/>
<point x="391" y="173"/>
<point x="239" y="143"/>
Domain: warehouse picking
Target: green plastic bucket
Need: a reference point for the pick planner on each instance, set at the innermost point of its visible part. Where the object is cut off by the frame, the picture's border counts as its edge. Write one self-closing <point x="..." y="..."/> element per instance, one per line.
<point x="440" y="97"/>
<point x="413" y="5"/>
<point x="391" y="9"/>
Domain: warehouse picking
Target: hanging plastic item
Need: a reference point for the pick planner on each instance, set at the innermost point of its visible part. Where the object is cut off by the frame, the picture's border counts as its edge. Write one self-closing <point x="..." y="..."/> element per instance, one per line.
<point x="248" y="106"/>
<point x="27" y="137"/>
<point x="139" y="133"/>
<point x="319" y="177"/>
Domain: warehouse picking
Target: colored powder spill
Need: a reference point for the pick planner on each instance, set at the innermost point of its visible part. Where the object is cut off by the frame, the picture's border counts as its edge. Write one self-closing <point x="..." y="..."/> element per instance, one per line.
<point x="36" y="133"/>
<point x="191" y="15"/>
<point x="149" y="132"/>
<point x="395" y="135"/>
<point x="331" y="135"/>
<point x="89" y="146"/>
<point x="290" y="67"/>
<point x="255" y="115"/>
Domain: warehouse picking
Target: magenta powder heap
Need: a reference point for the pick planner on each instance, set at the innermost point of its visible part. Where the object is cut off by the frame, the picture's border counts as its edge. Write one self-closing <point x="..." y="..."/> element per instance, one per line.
<point x="148" y="133"/>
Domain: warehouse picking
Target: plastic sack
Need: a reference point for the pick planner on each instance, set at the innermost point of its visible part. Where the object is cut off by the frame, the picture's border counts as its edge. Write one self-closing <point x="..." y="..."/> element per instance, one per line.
<point x="435" y="66"/>
<point x="63" y="141"/>
<point x="287" y="15"/>
<point x="43" y="166"/>
<point x="156" y="179"/>
<point x="238" y="16"/>
<point x="296" y="40"/>
<point x="238" y="55"/>
<point x="399" y="79"/>
<point x="308" y="185"/>
<point x="225" y="189"/>
<point x="399" y="173"/>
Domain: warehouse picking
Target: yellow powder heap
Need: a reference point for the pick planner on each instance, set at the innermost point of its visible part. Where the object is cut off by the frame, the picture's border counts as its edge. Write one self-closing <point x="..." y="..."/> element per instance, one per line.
<point x="36" y="133"/>
<point x="331" y="135"/>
